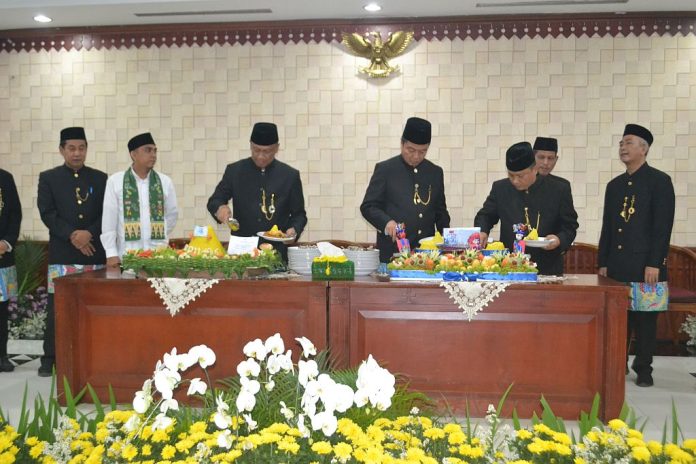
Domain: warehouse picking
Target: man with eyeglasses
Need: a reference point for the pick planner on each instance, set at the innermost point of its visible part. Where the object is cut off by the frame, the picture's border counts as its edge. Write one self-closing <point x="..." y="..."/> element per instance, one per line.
<point x="265" y="192"/>
<point x="140" y="209"/>
<point x="406" y="189"/>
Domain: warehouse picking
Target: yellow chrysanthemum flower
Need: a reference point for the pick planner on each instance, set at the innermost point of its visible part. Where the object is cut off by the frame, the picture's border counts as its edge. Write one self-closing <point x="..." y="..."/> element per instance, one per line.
<point x="434" y="433"/>
<point x="342" y="451"/>
<point x="617" y="424"/>
<point x="168" y="452"/>
<point x="322" y="447"/>
<point x="640" y="454"/>
<point x="690" y="444"/>
<point x="524" y="434"/>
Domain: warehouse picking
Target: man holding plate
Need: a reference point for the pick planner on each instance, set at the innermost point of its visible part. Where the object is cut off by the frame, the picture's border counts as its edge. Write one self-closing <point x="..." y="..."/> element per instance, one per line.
<point x="526" y="197"/>
<point x="265" y="193"/>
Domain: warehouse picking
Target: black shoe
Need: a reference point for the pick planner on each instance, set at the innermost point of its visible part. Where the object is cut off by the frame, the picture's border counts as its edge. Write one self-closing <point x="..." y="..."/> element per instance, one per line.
<point x="45" y="371"/>
<point x="5" y="364"/>
<point x="644" y="380"/>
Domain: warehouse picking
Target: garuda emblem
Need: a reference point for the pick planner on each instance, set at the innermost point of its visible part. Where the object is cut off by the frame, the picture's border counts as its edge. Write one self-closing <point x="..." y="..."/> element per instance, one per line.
<point x="378" y="52"/>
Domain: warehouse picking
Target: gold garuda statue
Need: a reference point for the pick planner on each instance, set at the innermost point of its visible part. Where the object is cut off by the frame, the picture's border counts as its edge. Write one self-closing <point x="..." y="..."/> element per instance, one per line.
<point x="377" y="51"/>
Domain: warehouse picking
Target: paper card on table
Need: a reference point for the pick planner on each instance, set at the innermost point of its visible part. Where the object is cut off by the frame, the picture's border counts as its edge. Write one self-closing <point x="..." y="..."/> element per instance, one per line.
<point x="241" y="245"/>
<point x="200" y="231"/>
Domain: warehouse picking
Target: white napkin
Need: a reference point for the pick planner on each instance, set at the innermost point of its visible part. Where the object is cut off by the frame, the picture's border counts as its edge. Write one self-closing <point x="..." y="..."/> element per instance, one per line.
<point x="327" y="249"/>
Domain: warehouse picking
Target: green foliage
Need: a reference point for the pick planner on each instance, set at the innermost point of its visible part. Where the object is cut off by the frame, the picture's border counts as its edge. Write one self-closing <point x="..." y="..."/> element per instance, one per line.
<point x="30" y="257"/>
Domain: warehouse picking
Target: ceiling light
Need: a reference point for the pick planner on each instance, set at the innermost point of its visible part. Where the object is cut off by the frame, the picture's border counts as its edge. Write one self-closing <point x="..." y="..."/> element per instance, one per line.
<point x="372" y="7"/>
<point x="42" y="19"/>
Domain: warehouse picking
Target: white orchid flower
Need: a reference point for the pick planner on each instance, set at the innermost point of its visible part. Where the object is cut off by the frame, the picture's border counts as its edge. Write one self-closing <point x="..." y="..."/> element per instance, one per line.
<point x="197" y="386"/>
<point x="308" y="348"/>
<point x="273" y="364"/>
<point x="307" y="370"/>
<point x="250" y="385"/>
<point x="142" y="402"/>
<point x="285" y="411"/>
<point x="251" y="423"/>
<point x="133" y="423"/>
<point x="343" y="395"/>
<point x="270" y="385"/>
<point x="301" y="427"/>
<point x="326" y="422"/>
<point x="285" y="361"/>
<point x="168" y="404"/>
<point x="255" y="349"/>
<point x="171" y="360"/>
<point x="361" y="398"/>
<point x="161" y="422"/>
<point x="245" y="401"/>
<point x="202" y="355"/>
<point x="221" y="418"/>
<point x="248" y="368"/>
<point x="224" y="439"/>
<point x="274" y="344"/>
<point x="165" y="382"/>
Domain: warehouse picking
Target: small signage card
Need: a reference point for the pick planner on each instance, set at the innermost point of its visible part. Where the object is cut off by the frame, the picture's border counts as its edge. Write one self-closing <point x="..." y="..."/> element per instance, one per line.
<point x="463" y="237"/>
<point x="241" y="245"/>
<point x="200" y="231"/>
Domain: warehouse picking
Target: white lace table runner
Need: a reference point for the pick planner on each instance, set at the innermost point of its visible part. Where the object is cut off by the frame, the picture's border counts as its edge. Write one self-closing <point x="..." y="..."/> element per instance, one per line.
<point x="177" y="293"/>
<point x="472" y="297"/>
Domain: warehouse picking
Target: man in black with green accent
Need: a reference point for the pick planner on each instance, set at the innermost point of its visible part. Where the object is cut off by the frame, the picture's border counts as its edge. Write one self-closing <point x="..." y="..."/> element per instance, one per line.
<point x="406" y="189"/>
<point x="264" y="191"/>
<point x="636" y="229"/>
<point x="70" y="202"/>
<point x="528" y="198"/>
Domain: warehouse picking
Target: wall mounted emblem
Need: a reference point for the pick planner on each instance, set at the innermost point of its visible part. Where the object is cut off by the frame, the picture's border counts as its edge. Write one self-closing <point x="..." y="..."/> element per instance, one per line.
<point x="376" y="51"/>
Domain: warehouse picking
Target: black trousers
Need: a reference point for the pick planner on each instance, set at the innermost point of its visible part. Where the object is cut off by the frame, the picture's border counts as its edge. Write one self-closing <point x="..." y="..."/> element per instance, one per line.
<point x="643" y="325"/>
<point x="49" y="343"/>
<point x="4" y="329"/>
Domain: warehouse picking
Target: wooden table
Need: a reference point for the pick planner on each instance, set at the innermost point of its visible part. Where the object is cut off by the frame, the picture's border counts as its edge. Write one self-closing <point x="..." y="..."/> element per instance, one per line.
<point x="564" y="341"/>
<point x="112" y="330"/>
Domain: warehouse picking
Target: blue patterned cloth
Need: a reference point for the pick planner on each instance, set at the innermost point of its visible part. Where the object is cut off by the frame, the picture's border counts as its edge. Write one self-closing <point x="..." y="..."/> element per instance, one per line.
<point x="649" y="297"/>
<point x="8" y="283"/>
<point x="60" y="270"/>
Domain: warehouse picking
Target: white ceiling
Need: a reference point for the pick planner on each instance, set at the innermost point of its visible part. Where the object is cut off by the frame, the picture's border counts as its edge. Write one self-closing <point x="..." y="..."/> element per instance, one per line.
<point x="18" y="14"/>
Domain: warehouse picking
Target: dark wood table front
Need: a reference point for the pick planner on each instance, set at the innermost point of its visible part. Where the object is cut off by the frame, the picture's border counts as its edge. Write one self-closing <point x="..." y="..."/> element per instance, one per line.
<point x="112" y="330"/>
<point x="565" y="341"/>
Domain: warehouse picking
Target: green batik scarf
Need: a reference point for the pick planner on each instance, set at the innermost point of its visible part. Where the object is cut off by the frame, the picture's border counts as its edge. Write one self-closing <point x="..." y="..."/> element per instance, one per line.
<point x="131" y="207"/>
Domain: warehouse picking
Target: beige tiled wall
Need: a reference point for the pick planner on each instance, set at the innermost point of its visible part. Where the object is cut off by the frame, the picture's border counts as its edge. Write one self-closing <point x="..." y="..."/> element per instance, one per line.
<point x="481" y="96"/>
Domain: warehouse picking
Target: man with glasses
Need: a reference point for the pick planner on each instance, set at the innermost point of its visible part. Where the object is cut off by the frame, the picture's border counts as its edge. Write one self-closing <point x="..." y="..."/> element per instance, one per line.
<point x="140" y="208"/>
<point x="265" y="192"/>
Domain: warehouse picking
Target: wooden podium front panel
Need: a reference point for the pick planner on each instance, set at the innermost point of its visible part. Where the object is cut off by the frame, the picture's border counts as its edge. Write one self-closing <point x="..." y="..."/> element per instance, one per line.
<point x="113" y="331"/>
<point x="565" y="342"/>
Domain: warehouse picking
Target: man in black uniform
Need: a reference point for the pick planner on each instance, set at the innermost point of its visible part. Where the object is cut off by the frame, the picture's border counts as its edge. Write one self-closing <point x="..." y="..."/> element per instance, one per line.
<point x="541" y="203"/>
<point x="636" y="228"/>
<point x="10" y="219"/>
<point x="407" y="189"/>
<point x="264" y="191"/>
<point x="70" y="203"/>
<point x="546" y="156"/>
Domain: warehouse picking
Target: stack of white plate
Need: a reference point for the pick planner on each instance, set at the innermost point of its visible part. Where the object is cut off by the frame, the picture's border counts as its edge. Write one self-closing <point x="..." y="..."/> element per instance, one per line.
<point x="300" y="259"/>
<point x="366" y="261"/>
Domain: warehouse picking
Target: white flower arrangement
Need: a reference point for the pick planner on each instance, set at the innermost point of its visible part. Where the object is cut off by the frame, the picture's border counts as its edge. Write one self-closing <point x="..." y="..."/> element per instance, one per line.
<point x="689" y="328"/>
<point x="319" y="398"/>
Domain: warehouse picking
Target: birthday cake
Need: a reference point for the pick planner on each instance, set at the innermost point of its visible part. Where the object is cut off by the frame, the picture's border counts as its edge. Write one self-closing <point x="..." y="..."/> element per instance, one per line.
<point x="202" y="257"/>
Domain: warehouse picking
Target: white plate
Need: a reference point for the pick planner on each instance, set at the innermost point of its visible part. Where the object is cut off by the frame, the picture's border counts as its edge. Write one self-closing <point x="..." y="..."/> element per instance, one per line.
<point x="276" y="239"/>
<point x="541" y="243"/>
